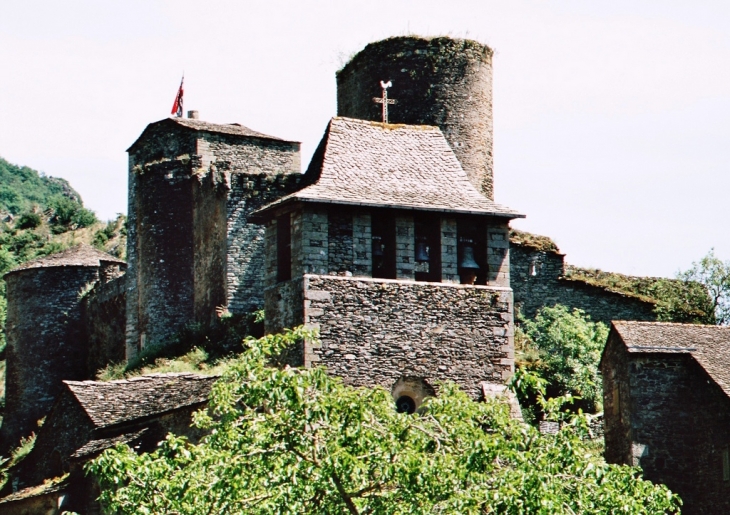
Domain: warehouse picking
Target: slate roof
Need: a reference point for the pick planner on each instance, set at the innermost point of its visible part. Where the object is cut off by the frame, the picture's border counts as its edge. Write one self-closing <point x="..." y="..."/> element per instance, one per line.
<point x="94" y="447"/>
<point x="80" y="255"/>
<point x="108" y="403"/>
<point x="386" y="165"/>
<point x="235" y="129"/>
<point x="709" y="345"/>
<point x="35" y="491"/>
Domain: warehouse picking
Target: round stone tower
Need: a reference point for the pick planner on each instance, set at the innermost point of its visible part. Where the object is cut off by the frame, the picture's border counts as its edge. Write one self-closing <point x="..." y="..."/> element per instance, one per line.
<point x="45" y="341"/>
<point x="435" y="81"/>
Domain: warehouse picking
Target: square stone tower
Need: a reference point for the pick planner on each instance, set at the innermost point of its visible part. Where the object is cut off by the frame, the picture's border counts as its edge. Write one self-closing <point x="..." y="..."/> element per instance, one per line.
<point x="398" y="260"/>
<point x="191" y="249"/>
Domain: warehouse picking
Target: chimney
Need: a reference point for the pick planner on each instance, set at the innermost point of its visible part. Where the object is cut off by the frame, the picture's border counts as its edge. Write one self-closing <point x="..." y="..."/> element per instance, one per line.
<point x="193" y="114"/>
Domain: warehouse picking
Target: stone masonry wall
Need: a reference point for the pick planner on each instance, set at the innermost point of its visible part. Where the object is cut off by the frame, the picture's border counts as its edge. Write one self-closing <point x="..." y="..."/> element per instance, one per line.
<point x="45" y="342"/>
<point x="104" y="319"/>
<point x="373" y="331"/>
<point x="678" y="419"/>
<point x="259" y="171"/>
<point x="537" y="281"/>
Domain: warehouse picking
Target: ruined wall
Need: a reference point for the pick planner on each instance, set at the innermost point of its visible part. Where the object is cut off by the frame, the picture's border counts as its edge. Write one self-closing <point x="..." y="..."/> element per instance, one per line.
<point x="104" y="318"/>
<point x="374" y="331"/>
<point x="537" y="281"/>
<point x="45" y="342"/>
<point x="678" y="419"/>
<point x="436" y="81"/>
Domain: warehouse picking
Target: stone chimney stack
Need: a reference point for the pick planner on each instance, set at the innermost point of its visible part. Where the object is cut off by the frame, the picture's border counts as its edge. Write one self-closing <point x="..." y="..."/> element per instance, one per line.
<point x="193" y="115"/>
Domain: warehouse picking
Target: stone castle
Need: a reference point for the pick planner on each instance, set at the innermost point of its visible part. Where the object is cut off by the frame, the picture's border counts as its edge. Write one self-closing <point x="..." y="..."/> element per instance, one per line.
<point x="389" y="243"/>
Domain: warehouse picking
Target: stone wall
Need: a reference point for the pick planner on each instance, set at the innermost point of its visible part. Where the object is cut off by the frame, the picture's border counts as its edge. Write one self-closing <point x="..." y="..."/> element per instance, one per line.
<point x="45" y="342"/>
<point x="537" y="281"/>
<point x="438" y="81"/>
<point x="672" y="421"/>
<point x="104" y="319"/>
<point x="191" y="247"/>
<point x="374" y="331"/>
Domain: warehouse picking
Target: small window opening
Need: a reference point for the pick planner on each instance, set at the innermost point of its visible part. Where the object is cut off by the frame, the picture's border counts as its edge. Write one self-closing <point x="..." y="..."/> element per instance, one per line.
<point x="726" y="464"/>
<point x="283" y="248"/>
<point x="427" y="249"/>
<point x="383" y="251"/>
<point x="405" y="404"/>
<point x="533" y="268"/>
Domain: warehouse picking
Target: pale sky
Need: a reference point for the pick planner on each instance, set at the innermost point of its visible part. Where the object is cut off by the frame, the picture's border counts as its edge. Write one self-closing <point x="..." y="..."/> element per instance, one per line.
<point x="611" y="117"/>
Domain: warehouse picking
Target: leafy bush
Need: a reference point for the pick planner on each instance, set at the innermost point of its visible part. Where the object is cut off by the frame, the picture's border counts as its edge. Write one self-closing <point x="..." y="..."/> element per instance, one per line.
<point x="29" y="221"/>
<point x="563" y="348"/>
<point x="299" y="441"/>
<point x="67" y="213"/>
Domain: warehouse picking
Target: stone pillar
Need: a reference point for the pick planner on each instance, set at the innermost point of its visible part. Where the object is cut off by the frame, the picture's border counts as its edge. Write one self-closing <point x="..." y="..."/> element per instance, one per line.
<point x="362" y="245"/>
<point x="405" y="248"/>
<point x="449" y="255"/>
<point x="498" y="255"/>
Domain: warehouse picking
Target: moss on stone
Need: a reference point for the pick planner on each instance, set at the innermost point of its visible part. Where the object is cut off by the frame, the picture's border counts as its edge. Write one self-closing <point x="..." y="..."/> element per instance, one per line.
<point x="533" y="241"/>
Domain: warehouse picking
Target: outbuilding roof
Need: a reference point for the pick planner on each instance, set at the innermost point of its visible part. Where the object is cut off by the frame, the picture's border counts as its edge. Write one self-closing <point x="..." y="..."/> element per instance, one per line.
<point x="108" y="403"/>
<point x="709" y="345"/>
<point x="80" y="255"/>
<point x="387" y="165"/>
<point x="235" y="129"/>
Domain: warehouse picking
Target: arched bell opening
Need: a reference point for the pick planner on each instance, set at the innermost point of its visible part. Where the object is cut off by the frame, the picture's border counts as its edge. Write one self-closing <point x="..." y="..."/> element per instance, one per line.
<point x="409" y="392"/>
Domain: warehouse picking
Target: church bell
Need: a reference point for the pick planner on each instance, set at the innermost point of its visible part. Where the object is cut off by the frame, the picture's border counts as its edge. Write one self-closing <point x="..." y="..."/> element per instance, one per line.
<point x="467" y="257"/>
<point x="421" y="252"/>
<point x="378" y="247"/>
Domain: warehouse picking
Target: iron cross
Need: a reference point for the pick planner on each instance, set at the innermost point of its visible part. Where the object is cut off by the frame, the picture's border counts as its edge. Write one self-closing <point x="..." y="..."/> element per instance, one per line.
<point x="385" y="100"/>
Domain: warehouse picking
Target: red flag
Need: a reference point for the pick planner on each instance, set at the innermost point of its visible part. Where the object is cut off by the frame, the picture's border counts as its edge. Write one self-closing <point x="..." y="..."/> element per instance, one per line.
<point x="177" y="107"/>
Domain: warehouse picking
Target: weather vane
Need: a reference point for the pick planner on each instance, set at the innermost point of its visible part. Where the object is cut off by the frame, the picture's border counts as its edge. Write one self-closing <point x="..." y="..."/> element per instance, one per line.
<point x="384" y="99"/>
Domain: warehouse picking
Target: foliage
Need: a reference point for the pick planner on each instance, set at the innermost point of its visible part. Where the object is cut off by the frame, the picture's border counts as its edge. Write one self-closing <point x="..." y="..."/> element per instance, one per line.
<point x="714" y="275"/>
<point x="16" y="456"/>
<point x="563" y="348"/>
<point x="534" y="241"/>
<point x="22" y="189"/>
<point x="298" y="441"/>
<point x="676" y="300"/>
<point x="68" y="214"/>
<point x="196" y="347"/>
<point x="29" y="221"/>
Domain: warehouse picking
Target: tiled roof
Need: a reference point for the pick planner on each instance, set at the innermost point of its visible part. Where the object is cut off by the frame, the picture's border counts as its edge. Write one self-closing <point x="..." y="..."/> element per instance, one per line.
<point x="224" y="128"/>
<point x="35" y="491"/>
<point x="385" y="165"/>
<point x="108" y="403"/>
<point x="96" y="446"/>
<point x="709" y="345"/>
<point x="80" y="255"/>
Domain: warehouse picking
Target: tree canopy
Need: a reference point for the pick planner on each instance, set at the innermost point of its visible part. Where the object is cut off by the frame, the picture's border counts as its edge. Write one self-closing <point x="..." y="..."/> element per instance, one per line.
<point x="298" y="441"/>
<point x="714" y="274"/>
<point x="563" y="348"/>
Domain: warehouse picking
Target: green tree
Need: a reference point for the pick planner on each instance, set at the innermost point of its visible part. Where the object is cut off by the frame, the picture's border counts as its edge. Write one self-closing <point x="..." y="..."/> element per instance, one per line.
<point x="298" y="441"/>
<point x="714" y="274"/>
<point x="564" y="348"/>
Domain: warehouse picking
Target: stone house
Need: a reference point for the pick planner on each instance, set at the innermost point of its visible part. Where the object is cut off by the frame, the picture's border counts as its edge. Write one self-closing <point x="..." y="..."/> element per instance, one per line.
<point x="91" y="416"/>
<point x="396" y="258"/>
<point x="666" y="390"/>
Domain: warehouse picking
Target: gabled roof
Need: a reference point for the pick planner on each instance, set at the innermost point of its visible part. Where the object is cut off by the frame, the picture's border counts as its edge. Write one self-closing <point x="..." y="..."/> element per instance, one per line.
<point x="80" y="255"/>
<point x="385" y="165"/>
<point x="108" y="403"/>
<point x="709" y="345"/>
<point x="235" y="129"/>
